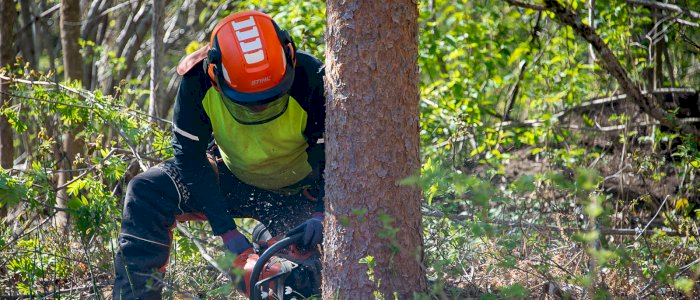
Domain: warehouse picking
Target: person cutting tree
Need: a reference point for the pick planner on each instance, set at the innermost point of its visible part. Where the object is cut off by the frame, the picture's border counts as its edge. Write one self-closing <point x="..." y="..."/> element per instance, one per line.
<point x="263" y="101"/>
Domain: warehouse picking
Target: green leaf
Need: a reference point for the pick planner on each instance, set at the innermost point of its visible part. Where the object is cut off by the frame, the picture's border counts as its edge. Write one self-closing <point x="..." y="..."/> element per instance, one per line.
<point x="524" y="184"/>
<point x="515" y="291"/>
<point x="684" y="284"/>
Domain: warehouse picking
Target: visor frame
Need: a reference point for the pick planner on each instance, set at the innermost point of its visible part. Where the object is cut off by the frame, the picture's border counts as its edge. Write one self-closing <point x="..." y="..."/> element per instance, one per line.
<point x="238" y="110"/>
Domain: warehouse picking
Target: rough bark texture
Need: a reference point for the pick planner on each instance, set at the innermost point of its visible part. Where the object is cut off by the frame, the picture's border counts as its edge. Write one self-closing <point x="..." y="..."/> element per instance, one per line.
<point x="372" y="142"/>
<point x="73" y="70"/>
<point x="8" y="12"/>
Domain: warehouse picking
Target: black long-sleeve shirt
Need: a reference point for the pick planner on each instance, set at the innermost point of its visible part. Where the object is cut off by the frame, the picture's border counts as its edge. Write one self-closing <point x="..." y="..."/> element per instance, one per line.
<point x="193" y="129"/>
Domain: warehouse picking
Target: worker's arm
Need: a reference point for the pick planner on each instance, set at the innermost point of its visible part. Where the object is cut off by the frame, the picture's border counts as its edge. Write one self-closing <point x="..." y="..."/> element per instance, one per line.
<point x="192" y="131"/>
<point x="308" y="90"/>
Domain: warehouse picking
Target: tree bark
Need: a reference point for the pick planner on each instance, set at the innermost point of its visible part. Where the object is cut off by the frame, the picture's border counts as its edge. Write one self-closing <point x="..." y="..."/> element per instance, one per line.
<point x="591" y="21"/>
<point x="372" y="137"/>
<point x="8" y="11"/>
<point x="155" y="107"/>
<point x="129" y="42"/>
<point x="73" y="70"/>
<point x="28" y="35"/>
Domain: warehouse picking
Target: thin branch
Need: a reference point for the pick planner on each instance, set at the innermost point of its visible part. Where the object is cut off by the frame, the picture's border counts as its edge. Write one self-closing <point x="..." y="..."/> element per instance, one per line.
<point x="111" y="152"/>
<point x="44" y="14"/>
<point x="515" y="89"/>
<point x="666" y="6"/>
<point x="652" y="218"/>
<point x="526" y="5"/>
<point x="93" y="167"/>
<point x="688" y="23"/>
<point x="83" y="94"/>
<point x="204" y="253"/>
<point x="24" y="232"/>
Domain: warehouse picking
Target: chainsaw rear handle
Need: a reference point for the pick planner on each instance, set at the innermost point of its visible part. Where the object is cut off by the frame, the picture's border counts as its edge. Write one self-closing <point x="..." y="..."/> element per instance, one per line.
<point x="255" y="274"/>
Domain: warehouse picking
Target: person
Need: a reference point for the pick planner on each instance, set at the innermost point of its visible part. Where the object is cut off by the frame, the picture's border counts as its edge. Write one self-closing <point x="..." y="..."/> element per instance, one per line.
<point x="263" y="102"/>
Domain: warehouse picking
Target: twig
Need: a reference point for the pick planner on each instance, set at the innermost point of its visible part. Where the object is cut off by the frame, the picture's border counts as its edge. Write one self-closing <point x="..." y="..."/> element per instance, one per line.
<point x="144" y="168"/>
<point x="84" y="94"/>
<point x="93" y="167"/>
<point x="526" y="5"/>
<point x="204" y="253"/>
<point x="109" y="154"/>
<point x="24" y="231"/>
<point x="688" y="23"/>
<point x="652" y="219"/>
<point x="666" y="6"/>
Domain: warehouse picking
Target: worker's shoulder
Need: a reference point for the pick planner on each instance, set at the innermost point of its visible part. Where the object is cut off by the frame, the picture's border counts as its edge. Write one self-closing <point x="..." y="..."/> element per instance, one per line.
<point x="192" y="60"/>
<point x="308" y="63"/>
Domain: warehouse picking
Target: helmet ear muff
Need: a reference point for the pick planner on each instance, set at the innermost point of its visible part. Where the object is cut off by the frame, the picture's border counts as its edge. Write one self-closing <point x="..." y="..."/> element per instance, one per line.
<point x="287" y="42"/>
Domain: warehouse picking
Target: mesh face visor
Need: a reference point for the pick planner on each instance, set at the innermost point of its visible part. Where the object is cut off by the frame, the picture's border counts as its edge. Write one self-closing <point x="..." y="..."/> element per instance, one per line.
<point x="253" y="114"/>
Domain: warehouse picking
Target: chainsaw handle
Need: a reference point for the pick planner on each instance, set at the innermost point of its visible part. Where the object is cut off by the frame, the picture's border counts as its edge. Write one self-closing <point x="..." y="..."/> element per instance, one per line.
<point x="255" y="274"/>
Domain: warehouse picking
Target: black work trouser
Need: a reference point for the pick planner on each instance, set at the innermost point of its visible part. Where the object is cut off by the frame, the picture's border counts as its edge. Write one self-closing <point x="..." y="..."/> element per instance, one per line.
<point x="155" y="198"/>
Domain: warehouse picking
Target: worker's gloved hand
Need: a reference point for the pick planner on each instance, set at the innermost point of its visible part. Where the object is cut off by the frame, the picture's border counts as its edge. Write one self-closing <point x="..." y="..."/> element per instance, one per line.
<point x="312" y="229"/>
<point x="236" y="242"/>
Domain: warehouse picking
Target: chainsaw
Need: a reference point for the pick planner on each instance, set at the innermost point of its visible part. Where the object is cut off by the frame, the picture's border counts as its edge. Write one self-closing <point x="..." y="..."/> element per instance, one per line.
<point x="283" y="270"/>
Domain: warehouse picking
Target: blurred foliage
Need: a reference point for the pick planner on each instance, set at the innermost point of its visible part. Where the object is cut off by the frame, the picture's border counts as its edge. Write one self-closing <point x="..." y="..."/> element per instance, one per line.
<point x="522" y="189"/>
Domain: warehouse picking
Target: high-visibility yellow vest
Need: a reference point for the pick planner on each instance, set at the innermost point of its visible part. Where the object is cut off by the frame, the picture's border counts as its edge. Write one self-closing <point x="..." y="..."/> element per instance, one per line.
<point x="271" y="155"/>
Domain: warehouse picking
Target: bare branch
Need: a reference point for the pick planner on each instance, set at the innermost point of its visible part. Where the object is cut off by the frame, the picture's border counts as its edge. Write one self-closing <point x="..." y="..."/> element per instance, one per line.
<point x="204" y="253"/>
<point x="666" y="6"/>
<point x="526" y="5"/>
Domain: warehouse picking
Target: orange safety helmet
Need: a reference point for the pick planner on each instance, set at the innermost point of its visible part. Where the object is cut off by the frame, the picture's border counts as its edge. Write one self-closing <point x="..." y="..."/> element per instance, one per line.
<point x="251" y="60"/>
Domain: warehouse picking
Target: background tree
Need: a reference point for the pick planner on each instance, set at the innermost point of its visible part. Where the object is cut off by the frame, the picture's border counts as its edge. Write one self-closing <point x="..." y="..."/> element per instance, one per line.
<point x="8" y="12"/>
<point x="372" y="143"/>
<point x="72" y="143"/>
<point x="156" y="104"/>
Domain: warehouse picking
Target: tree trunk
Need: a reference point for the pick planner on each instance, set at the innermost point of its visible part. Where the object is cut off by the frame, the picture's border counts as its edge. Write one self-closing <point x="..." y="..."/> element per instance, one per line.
<point x="591" y="21"/>
<point x="155" y="107"/>
<point x="372" y="137"/>
<point x="73" y="70"/>
<point x="28" y="36"/>
<point x="8" y="12"/>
